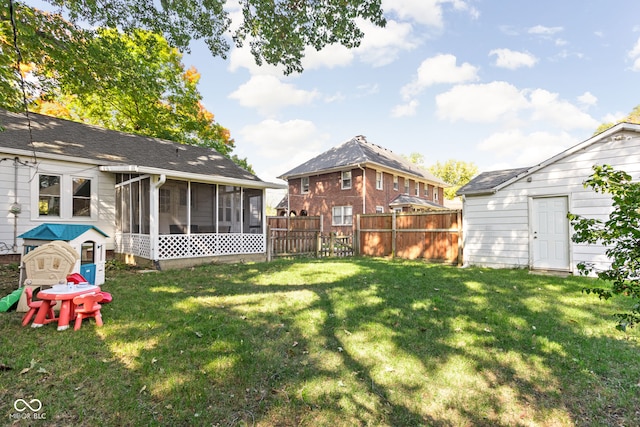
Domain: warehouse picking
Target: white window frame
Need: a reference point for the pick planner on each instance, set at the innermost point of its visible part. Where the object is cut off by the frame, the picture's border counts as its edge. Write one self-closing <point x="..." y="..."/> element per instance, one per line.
<point x="75" y="197"/>
<point x="379" y="209"/>
<point x="66" y="197"/>
<point x="346" y="179"/>
<point x="426" y="191"/>
<point x="396" y="186"/>
<point x="435" y="194"/>
<point x="406" y="186"/>
<point x="304" y="185"/>
<point x="379" y="180"/>
<point x="342" y="216"/>
<point x="416" y="190"/>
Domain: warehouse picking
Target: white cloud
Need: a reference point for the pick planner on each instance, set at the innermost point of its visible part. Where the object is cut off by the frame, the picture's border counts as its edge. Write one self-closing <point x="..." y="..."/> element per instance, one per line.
<point x="439" y="69"/>
<point x="501" y="101"/>
<point x="268" y="94"/>
<point x="525" y="149"/>
<point x="588" y="99"/>
<point x="486" y="103"/>
<point x="511" y="59"/>
<point x="547" y="107"/>
<point x="634" y="54"/>
<point x="405" y="110"/>
<point x="330" y="57"/>
<point x="275" y="147"/>
<point x="614" y="117"/>
<point x="381" y="46"/>
<point x="426" y="12"/>
<point x="544" y="31"/>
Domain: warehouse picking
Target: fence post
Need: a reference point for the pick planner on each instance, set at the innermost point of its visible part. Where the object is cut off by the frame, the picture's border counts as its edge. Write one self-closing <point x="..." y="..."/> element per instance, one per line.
<point x="460" y="239"/>
<point x="356" y="237"/>
<point x="393" y="234"/>
<point x="269" y="243"/>
<point x="318" y="244"/>
<point x="332" y="242"/>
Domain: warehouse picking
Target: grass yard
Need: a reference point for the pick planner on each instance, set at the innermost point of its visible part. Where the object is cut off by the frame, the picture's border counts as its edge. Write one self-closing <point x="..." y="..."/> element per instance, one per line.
<point x="348" y="342"/>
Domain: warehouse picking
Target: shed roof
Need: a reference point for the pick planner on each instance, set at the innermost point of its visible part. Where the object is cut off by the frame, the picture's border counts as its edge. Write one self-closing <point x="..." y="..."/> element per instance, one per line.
<point x="359" y="152"/>
<point x="487" y="181"/>
<point x="64" y="232"/>
<point x="51" y="137"/>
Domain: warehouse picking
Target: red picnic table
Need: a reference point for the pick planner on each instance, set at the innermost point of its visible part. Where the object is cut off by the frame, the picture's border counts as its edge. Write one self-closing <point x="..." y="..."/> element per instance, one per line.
<point x="65" y="294"/>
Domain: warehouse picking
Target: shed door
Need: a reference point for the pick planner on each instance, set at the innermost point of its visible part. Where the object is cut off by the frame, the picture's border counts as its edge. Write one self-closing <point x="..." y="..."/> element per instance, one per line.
<point x="550" y="233"/>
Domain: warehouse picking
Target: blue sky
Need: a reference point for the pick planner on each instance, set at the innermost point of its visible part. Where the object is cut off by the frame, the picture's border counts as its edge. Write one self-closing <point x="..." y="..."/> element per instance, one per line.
<point x="499" y="83"/>
<point x="502" y="84"/>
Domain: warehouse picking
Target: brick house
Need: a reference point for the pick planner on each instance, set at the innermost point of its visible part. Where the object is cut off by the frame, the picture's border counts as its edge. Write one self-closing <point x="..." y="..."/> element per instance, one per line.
<point x="358" y="177"/>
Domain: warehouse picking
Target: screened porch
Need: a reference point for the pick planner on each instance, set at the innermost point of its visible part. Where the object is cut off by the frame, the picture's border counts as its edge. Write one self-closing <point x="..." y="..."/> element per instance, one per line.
<point x="161" y="219"/>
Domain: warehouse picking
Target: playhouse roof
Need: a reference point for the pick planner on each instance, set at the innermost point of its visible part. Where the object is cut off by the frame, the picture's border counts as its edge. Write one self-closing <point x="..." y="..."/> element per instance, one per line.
<point x="65" y="232"/>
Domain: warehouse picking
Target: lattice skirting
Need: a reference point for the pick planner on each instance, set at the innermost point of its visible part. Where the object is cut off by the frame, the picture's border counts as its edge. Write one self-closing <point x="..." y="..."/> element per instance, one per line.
<point x="136" y="244"/>
<point x="176" y="246"/>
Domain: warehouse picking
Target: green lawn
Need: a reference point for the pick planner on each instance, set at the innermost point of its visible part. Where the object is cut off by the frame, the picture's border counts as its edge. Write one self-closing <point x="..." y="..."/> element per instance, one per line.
<point x="347" y="342"/>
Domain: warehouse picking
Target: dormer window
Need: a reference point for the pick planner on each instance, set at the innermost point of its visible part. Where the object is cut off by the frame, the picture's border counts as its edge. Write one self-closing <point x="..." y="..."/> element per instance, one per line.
<point x="346" y="180"/>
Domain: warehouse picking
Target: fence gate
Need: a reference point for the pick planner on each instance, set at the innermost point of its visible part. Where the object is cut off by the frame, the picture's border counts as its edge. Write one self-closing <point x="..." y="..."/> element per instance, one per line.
<point x="303" y="236"/>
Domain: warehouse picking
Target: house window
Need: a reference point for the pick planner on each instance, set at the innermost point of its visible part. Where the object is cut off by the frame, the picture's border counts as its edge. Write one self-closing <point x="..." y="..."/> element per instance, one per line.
<point x="346" y="180"/>
<point x="435" y="194"/>
<point x="304" y="184"/>
<point x="81" y="197"/>
<point x="378" y="180"/>
<point x="416" y="190"/>
<point x="426" y="191"/>
<point x="49" y="195"/>
<point x="165" y="200"/>
<point x="183" y="197"/>
<point x="406" y="186"/>
<point x="342" y="215"/>
<point x="395" y="183"/>
<point x="379" y="209"/>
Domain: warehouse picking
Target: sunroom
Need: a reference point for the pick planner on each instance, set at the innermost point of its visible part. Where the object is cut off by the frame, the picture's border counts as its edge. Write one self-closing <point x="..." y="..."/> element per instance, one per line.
<point x="181" y="221"/>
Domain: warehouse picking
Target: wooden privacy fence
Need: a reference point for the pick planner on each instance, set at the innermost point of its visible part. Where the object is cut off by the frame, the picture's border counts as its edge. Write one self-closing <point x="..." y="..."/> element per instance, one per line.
<point x="434" y="236"/>
<point x="303" y="236"/>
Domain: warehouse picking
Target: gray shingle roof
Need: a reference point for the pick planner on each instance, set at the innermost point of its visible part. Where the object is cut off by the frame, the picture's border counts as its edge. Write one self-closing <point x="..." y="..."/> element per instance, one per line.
<point x="357" y="151"/>
<point x="487" y="181"/>
<point x="406" y="200"/>
<point x="53" y="136"/>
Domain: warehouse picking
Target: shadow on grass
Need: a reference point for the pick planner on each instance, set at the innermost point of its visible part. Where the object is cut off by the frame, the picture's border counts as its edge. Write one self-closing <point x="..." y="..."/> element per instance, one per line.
<point x="348" y="342"/>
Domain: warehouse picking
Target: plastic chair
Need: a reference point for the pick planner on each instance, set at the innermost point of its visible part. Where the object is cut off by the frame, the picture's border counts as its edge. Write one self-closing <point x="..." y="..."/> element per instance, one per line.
<point x="34" y="306"/>
<point x="87" y="306"/>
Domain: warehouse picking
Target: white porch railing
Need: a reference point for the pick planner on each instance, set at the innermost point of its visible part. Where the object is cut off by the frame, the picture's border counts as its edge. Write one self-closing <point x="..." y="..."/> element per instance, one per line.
<point x="177" y="246"/>
<point x="136" y="244"/>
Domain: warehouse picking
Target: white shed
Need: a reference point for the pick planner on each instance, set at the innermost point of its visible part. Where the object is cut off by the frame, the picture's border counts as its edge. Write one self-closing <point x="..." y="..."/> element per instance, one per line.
<point x="517" y="218"/>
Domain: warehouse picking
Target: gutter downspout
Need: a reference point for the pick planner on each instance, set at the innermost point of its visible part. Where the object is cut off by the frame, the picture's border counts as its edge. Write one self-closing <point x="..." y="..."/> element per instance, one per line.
<point x="364" y="188"/>
<point x="155" y="203"/>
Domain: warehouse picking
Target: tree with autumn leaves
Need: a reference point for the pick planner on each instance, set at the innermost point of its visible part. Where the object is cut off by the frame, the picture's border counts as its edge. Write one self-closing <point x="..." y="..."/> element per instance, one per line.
<point x="132" y="82"/>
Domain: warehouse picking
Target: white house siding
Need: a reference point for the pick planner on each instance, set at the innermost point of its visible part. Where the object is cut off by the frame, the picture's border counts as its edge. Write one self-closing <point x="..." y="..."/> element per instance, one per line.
<point x="497" y="227"/>
<point x="103" y="203"/>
